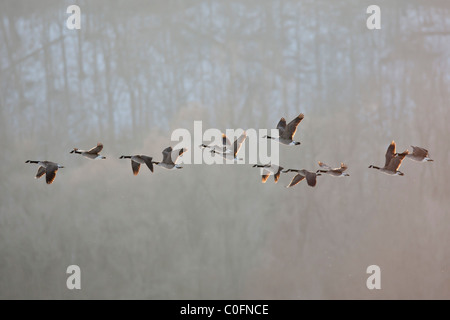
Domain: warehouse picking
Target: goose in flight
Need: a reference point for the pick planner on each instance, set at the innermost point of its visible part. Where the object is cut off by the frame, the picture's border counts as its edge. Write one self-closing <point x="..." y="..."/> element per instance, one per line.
<point x="136" y="162"/>
<point x="269" y="169"/>
<point x="311" y="177"/>
<point x="418" y="154"/>
<point x="335" y="172"/>
<point x="235" y="149"/>
<point x="170" y="156"/>
<point x="393" y="161"/>
<point x="225" y="148"/>
<point x="93" y="153"/>
<point x="286" y="133"/>
<point x="48" y="168"/>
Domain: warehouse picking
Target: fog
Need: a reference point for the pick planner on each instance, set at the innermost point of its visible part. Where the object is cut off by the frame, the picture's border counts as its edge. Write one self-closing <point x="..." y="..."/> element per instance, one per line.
<point x="137" y="70"/>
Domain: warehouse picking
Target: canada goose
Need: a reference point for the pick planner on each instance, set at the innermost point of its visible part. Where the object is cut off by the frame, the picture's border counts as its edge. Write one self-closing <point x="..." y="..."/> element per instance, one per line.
<point x="92" y="153"/>
<point x="236" y="146"/>
<point x="136" y="162"/>
<point x="418" y="154"/>
<point x="336" y="172"/>
<point x="286" y="133"/>
<point x="48" y="168"/>
<point x="226" y="145"/>
<point x="170" y="157"/>
<point x="311" y="177"/>
<point x="269" y="169"/>
<point x="393" y="161"/>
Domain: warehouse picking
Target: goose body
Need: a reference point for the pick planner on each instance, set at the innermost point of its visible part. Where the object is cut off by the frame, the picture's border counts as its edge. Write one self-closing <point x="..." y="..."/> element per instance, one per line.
<point x="393" y="161"/>
<point x="232" y="156"/>
<point x="48" y="168"/>
<point x="419" y="154"/>
<point x="170" y="156"/>
<point x="335" y="172"/>
<point x="93" y="153"/>
<point x="136" y="162"/>
<point x="269" y="169"/>
<point x="311" y="177"/>
<point x="287" y="132"/>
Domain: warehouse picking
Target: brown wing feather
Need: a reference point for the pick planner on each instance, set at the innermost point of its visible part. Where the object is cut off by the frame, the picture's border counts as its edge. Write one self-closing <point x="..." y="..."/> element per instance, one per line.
<point x="238" y="143"/>
<point x="167" y="155"/>
<point x="96" y="149"/>
<point x="311" y="179"/>
<point x="148" y="162"/>
<point x="323" y="165"/>
<point x="225" y="141"/>
<point x="50" y="174"/>
<point x="291" y="128"/>
<point x="281" y="126"/>
<point x="276" y="176"/>
<point x="421" y="152"/>
<point x="397" y="161"/>
<point x="264" y="177"/>
<point x="390" y="153"/>
<point x="296" y="180"/>
<point x="135" y="166"/>
<point x="40" y="173"/>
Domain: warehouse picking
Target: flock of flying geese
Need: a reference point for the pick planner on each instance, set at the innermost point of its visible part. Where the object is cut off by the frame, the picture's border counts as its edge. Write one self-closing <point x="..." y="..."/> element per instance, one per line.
<point x="229" y="152"/>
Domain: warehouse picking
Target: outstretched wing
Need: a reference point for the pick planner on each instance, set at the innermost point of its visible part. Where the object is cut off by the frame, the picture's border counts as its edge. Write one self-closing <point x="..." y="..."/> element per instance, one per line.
<point x="298" y="177"/>
<point x="238" y="143"/>
<point x="225" y="141"/>
<point x="396" y="161"/>
<point x="148" y="162"/>
<point x="167" y="155"/>
<point x="135" y="166"/>
<point x="96" y="149"/>
<point x="291" y="128"/>
<point x="176" y="153"/>
<point x="40" y="173"/>
<point x="323" y="165"/>
<point x="50" y="173"/>
<point x="311" y="178"/>
<point x="264" y="177"/>
<point x="276" y="176"/>
<point x="281" y="126"/>
<point x="390" y="153"/>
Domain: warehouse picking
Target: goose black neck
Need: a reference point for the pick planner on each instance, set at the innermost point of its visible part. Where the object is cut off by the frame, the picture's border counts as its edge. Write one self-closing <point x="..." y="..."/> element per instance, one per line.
<point x="31" y="161"/>
<point x="125" y="157"/>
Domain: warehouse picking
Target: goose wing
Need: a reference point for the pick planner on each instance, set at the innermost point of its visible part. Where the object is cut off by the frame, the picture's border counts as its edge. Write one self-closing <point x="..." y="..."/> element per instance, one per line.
<point x="238" y="143"/>
<point x="298" y="177"/>
<point x="167" y="158"/>
<point x="396" y="161"/>
<point x="291" y="128"/>
<point x="148" y="162"/>
<point x="135" y="166"/>
<point x="324" y="166"/>
<point x="276" y="176"/>
<point x="390" y="153"/>
<point x="175" y="154"/>
<point x="97" y="149"/>
<point x="311" y="178"/>
<point x="281" y="126"/>
<point x="225" y="141"/>
<point x="41" y="172"/>
<point x="50" y="171"/>
<point x="420" y="152"/>
<point x="264" y="177"/>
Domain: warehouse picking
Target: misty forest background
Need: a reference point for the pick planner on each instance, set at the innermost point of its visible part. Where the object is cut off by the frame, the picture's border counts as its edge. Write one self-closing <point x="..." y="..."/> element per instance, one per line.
<point x="137" y="70"/>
